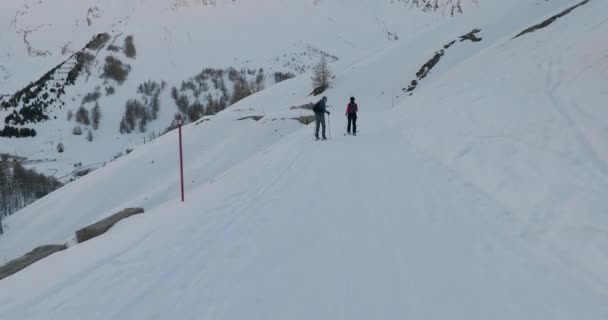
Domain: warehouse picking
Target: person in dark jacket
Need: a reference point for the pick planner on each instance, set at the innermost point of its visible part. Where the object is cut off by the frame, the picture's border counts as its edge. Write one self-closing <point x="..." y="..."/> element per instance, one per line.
<point x="320" y="109"/>
<point x="351" y="113"/>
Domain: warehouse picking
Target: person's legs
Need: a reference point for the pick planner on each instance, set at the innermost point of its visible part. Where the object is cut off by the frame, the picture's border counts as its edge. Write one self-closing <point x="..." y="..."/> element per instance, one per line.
<point x="354" y="123"/>
<point x="323" y="126"/>
<point x="317" y="124"/>
<point x="349" y="124"/>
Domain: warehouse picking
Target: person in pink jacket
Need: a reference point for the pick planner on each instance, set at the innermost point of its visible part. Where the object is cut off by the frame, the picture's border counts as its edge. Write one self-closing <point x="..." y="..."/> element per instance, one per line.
<point x="351" y="113"/>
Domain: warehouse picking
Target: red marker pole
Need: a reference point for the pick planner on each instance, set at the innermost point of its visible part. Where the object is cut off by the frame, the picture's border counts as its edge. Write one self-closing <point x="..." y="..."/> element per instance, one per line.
<point x="181" y="158"/>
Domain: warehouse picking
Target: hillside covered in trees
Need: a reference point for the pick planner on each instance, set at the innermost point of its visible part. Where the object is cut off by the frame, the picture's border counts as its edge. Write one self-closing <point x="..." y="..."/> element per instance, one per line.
<point x="20" y="186"/>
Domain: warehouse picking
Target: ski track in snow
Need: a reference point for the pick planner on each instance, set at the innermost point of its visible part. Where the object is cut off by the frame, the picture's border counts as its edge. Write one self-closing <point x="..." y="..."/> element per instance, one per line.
<point x="554" y="84"/>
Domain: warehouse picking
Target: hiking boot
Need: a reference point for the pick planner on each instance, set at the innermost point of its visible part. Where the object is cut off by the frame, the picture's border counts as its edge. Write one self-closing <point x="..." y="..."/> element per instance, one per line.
<point x="324" y="138"/>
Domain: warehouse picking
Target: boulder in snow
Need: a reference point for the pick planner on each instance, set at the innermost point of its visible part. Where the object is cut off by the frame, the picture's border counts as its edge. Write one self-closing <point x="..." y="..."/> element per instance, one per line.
<point x="100" y="227"/>
<point x="29" y="259"/>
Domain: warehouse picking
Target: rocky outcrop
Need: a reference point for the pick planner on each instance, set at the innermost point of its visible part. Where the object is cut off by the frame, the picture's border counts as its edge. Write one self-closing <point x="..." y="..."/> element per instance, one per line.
<point x="549" y="21"/>
<point x="100" y="227"/>
<point x="29" y="259"/>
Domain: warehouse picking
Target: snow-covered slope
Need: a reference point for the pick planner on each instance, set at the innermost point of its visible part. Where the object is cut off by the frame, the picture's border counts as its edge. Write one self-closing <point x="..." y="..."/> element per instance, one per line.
<point x="531" y="134"/>
<point x="311" y="234"/>
<point x="174" y="41"/>
<point x="481" y="195"/>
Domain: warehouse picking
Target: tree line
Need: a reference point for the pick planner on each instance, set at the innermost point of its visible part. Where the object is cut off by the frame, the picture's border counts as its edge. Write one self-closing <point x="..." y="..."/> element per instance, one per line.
<point x="20" y="187"/>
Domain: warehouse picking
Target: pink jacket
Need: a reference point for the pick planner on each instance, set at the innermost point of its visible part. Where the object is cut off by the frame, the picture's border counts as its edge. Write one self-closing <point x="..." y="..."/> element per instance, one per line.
<point x="348" y="108"/>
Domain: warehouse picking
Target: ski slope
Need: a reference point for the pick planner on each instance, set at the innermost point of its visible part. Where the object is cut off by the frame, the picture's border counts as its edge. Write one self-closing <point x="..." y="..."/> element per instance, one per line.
<point x="365" y="237"/>
<point x="480" y="196"/>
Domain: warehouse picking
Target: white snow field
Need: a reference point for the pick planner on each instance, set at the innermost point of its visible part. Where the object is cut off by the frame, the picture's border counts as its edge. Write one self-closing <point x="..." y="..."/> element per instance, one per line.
<point x="481" y="196"/>
<point x="355" y="228"/>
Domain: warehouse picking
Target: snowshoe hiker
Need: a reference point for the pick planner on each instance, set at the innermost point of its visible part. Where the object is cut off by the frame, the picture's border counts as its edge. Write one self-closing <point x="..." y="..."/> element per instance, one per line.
<point x="351" y="113"/>
<point x="320" y="110"/>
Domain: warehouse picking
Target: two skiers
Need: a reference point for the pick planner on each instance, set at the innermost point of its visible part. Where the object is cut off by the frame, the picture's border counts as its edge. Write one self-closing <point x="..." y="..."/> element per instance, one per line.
<point x="351" y="113"/>
<point x="320" y="109"/>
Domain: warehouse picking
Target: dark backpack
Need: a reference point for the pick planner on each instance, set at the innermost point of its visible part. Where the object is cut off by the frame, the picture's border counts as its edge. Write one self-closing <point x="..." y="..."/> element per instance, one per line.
<point x="317" y="108"/>
<point x="352" y="108"/>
